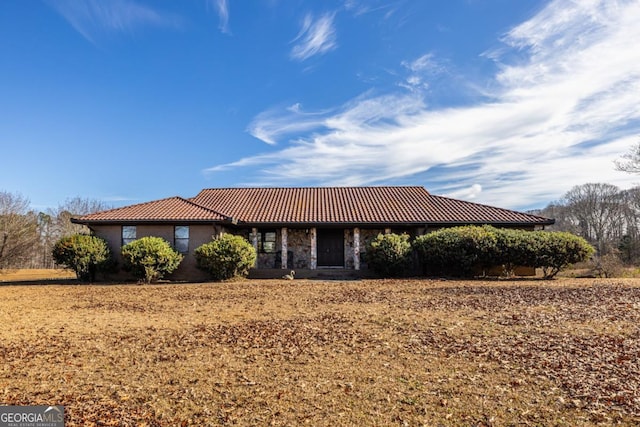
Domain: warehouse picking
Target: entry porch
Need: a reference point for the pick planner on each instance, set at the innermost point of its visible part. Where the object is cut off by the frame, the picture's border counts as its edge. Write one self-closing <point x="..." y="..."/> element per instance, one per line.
<point x="313" y="248"/>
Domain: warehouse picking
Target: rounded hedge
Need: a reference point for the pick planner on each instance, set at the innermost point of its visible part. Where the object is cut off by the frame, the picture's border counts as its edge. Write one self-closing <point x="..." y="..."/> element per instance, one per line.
<point x="461" y="251"/>
<point x="150" y="258"/>
<point x="84" y="254"/>
<point x="457" y="251"/>
<point x="226" y="257"/>
<point x="389" y="254"/>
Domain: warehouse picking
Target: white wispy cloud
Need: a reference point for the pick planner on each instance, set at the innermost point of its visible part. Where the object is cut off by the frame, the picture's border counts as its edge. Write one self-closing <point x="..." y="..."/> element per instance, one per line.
<point x="270" y="125"/>
<point x="420" y="71"/>
<point x="316" y="37"/>
<point x="222" y="7"/>
<point x="564" y="107"/>
<point x="93" y="17"/>
<point x="361" y="7"/>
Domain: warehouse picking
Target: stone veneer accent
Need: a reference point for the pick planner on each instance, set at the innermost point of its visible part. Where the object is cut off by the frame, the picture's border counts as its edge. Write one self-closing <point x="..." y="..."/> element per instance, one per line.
<point x="300" y="252"/>
<point x="300" y="247"/>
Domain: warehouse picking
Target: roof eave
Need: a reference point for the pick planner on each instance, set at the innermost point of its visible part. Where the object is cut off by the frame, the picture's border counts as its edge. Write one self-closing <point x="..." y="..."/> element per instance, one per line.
<point x="149" y="221"/>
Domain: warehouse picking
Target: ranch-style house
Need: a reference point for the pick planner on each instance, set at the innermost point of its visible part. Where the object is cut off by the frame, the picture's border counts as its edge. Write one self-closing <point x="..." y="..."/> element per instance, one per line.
<point x="310" y="230"/>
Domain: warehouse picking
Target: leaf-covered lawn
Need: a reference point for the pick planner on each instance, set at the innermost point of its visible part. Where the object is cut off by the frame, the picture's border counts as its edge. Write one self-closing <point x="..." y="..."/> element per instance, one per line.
<point x="371" y="352"/>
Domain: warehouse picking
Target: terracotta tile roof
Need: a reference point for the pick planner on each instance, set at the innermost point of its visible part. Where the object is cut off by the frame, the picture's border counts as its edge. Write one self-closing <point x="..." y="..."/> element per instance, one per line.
<point x="164" y="210"/>
<point x="354" y="205"/>
<point x="453" y="211"/>
<point x="316" y="205"/>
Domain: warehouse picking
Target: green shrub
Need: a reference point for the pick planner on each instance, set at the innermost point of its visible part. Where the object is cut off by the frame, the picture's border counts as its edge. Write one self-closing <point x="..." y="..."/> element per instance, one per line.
<point x="515" y="248"/>
<point x="457" y="251"/>
<point x="150" y="258"/>
<point x="226" y="257"/>
<point x="462" y="251"/>
<point x="555" y="250"/>
<point x="389" y="254"/>
<point x="84" y="254"/>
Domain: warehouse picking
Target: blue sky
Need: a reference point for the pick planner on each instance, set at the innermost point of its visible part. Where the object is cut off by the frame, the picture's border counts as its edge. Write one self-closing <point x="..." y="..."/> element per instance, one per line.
<point x="504" y="102"/>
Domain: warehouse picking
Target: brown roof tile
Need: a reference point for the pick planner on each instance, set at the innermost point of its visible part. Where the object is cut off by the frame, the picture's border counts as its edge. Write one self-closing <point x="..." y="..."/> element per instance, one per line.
<point x="164" y="210"/>
<point x="354" y="205"/>
<point x="316" y="205"/>
<point x="446" y="210"/>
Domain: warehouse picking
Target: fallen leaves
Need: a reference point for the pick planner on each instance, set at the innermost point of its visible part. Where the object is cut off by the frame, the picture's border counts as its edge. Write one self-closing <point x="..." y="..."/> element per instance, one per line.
<point x="405" y="352"/>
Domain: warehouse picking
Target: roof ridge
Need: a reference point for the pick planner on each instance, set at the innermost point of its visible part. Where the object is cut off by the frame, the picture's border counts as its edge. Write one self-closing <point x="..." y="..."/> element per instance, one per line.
<point x="312" y="187"/>
<point x="191" y="202"/>
<point x="134" y="205"/>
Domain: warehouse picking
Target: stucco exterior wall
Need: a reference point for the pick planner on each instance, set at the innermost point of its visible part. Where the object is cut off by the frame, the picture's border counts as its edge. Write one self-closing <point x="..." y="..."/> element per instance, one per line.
<point x="113" y="236"/>
<point x="198" y="235"/>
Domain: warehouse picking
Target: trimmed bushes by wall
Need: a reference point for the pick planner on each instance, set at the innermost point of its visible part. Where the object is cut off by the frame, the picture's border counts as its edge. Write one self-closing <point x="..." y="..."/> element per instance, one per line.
<point x="461" y="251"/>
<point x="226" y="257"/>
<point x="150" y="258"/>
<point x="389" y="255"/>
<point x="84" y="254"/>
<point x="457" y="251"/>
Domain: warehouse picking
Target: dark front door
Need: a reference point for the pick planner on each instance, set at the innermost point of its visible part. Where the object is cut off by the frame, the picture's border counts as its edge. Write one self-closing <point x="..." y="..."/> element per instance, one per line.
<point x="330" y="248"/>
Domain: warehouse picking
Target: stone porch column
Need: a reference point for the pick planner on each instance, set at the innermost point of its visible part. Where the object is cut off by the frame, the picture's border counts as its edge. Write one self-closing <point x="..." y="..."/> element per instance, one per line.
<point x="387" y="231"/>
<point x="254" y="242"/>
<point x="356" y="248"/>
<point x="314" y="248"/>
<point x="284" y="248"/>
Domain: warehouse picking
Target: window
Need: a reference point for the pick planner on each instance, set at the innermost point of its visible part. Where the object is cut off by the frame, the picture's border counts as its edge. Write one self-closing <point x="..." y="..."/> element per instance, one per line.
<point x="181" y="238"/>
<point x="128" y="234"/>
<point x="267" y="241"/>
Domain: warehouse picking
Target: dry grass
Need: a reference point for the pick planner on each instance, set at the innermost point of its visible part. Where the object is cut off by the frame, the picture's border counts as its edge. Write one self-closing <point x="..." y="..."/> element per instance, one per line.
<point x="33" y="274"/>
<point x="385" y="352"/>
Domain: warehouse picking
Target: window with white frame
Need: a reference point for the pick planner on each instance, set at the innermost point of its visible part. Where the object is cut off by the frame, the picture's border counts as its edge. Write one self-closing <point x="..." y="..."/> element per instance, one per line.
<point x="129" y="233"/>
<point x="181" y="238"/>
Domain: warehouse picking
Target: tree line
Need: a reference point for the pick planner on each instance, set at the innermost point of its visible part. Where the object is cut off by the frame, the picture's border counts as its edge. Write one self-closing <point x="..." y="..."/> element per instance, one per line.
<point x="27" y="236"/>
<point x="603" y="214"/>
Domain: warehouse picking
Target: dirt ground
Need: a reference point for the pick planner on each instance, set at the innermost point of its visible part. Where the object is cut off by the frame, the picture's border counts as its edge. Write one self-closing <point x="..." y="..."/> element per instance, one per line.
<point x="370" y="352"/>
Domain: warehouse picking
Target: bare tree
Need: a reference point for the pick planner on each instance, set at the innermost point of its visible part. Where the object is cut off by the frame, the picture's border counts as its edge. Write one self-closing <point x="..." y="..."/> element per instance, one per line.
<point x="18" y="230"/>
<point x="46" y="230"/>
<point x="630" y="162"/>
<point x="563" y="218"/>
<point x="596" y="210"/>
<point x="603" y="214"/>
<point x="630" y="242"/>
<point x="74" y="207"/>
